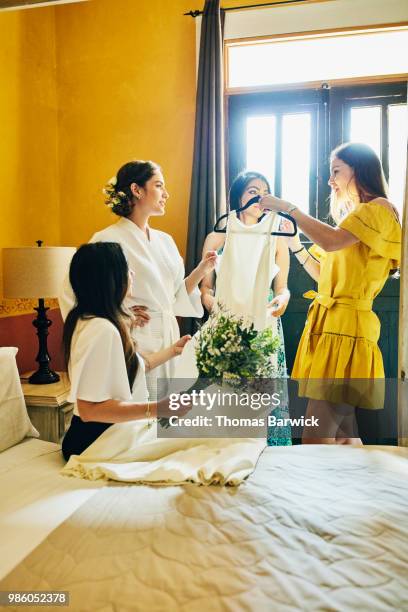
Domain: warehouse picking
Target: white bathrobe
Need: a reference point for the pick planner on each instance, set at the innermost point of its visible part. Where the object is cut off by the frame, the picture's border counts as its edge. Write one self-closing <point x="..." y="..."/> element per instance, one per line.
<point x="158" y="284"/>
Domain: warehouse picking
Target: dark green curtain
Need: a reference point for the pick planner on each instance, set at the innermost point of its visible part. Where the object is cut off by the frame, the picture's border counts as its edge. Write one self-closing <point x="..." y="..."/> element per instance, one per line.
<point x="207" y="195"/>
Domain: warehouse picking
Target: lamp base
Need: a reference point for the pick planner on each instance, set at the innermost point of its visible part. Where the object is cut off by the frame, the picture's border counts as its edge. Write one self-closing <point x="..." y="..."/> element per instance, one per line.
<point x="43" y="377"/>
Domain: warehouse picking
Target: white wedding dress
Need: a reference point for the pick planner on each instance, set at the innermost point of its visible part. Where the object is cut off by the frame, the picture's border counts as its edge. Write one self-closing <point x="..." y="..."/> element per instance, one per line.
<point x="244" y="276"/>
<point x="245" y="273"/>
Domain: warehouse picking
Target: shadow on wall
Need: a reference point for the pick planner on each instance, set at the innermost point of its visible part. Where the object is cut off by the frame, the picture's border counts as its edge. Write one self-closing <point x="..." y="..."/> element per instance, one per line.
<point x="18" y="331"/>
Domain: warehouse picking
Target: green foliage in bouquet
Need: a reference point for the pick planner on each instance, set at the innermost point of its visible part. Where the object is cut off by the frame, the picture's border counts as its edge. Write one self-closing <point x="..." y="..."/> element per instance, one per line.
<point x="227" y="347"/>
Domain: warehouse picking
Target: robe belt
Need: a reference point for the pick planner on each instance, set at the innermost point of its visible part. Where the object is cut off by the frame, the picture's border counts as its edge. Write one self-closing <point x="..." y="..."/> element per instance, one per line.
<point x="164" y="314"/>
<point x="169" y="322"/>
<point x="327" y="301"/>
<point x="163" y="324"/>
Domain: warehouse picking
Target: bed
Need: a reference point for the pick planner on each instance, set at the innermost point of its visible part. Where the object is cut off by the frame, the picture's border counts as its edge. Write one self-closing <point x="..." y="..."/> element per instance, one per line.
<point x="314" y="527"/>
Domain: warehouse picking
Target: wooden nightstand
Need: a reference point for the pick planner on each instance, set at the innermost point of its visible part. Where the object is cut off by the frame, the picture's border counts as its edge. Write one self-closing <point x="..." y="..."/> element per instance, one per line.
<point x="48" y="408"/>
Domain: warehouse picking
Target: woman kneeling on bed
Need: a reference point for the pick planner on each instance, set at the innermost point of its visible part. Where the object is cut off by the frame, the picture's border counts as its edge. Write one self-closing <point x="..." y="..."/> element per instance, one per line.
<point x="107" y="375"/>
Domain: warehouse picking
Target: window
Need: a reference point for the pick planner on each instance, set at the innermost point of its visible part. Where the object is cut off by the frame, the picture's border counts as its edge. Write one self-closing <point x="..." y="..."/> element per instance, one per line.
<point x="288" y="137"/>
<point x="365" y="126"/>
<point x="323" y="56"/>
<point x="397" y="151"/>
<point x="261" y="143"/>
<point x="377" y="116"/>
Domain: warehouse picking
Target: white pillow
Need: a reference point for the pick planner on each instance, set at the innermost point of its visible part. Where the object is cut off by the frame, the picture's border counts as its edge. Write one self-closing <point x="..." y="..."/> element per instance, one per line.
<point x="15" y="423"/>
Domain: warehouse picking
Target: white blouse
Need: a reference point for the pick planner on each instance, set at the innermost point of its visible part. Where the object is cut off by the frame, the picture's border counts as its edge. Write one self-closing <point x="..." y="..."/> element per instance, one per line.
<point x="97" y="366"/>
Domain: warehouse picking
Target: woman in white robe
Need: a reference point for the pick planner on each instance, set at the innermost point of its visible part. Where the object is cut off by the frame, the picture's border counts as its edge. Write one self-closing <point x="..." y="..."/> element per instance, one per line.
<point x="161" y="292"/>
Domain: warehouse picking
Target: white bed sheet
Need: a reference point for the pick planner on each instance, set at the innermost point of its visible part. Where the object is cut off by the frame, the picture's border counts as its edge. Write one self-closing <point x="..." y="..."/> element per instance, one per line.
<point x="35" y="498"/>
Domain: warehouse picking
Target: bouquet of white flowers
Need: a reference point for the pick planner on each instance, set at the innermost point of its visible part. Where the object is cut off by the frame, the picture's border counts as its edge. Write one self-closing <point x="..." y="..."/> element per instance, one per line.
<point x="229" y="351"/>
<point x="227" y="348"/>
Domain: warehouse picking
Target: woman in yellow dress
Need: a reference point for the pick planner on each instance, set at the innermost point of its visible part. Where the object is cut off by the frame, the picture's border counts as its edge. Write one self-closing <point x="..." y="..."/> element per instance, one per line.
<point x="351" y="263"/>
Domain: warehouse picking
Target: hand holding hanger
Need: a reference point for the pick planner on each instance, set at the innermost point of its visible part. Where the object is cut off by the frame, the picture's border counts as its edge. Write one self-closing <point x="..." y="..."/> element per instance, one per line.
<point x="267" y="207"/>
<point x="270" y="202"/>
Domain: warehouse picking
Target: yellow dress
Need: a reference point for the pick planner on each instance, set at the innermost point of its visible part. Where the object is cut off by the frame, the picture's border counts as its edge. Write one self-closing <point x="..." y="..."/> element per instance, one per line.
<point x="341" y="332"/>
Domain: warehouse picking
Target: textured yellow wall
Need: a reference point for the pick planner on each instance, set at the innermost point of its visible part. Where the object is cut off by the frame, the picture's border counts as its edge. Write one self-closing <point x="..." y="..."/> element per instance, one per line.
<point x="29" y="206"/>
<point x="126" y="90"/>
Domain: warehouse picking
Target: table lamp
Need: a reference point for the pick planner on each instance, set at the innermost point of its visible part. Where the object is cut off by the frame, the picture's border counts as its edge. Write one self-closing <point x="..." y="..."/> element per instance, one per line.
<point x="37" y="272"/>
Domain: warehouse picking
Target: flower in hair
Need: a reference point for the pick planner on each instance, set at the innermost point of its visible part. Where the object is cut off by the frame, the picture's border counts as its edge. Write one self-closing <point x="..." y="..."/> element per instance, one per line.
<point x="113" y="197"/>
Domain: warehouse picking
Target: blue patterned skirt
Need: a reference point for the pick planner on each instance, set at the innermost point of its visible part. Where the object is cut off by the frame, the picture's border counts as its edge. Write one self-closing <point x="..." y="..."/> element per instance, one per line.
<point x="280" y="435"/>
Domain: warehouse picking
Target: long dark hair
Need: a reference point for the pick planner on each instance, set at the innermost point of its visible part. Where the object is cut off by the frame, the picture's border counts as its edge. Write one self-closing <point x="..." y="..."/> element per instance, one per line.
<point x="239" y="185"/>
<point x="138" y="172"/>
<point x="99" y="276"/>
<point x="368" y="173"/>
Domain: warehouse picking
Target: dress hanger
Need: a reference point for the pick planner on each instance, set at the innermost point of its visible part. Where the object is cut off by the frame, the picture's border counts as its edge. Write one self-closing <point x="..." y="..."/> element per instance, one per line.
<point x="247" y="205"/>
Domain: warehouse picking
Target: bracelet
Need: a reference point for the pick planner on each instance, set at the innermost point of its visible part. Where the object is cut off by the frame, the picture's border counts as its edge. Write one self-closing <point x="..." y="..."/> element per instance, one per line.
<point x="298" y="251"/>
<point x="291" y="209"/>
<point x="148" y="415"/>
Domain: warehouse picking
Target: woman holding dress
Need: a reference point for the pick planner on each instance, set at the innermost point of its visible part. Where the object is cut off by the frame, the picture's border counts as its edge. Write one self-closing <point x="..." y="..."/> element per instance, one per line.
<point x="107" y="375"/>
<point x="136" y="194"/>
<point x="246" y="186"/>
<point x="252" y="274"/>
<point x="351" y="263"/>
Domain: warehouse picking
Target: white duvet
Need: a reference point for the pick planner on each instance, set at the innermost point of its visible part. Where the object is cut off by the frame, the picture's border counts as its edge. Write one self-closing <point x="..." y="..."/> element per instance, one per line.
<point x="316" y="528"/>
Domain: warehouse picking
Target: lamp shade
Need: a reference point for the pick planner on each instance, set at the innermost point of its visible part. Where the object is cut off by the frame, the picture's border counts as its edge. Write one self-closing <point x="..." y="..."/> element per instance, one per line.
<point x="35" y="272"/>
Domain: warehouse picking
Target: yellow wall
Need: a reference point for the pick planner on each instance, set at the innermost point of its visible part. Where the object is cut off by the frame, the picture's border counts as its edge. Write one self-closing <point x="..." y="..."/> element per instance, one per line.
<point x="28" y="143"/>
<point x="87" y="87"/>
<point x="29" y="206"/>
<point x="126" y="90"/>
<point x="90" y="86"/>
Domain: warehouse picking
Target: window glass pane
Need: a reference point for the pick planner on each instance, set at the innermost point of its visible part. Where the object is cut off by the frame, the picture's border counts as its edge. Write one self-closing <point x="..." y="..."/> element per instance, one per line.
<point x="365" y="126"/>
<point x="296" y="130"/>
<point x="397" y="138"/>
<point x="338" y="56"/>
<point x="260" y="157"/>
